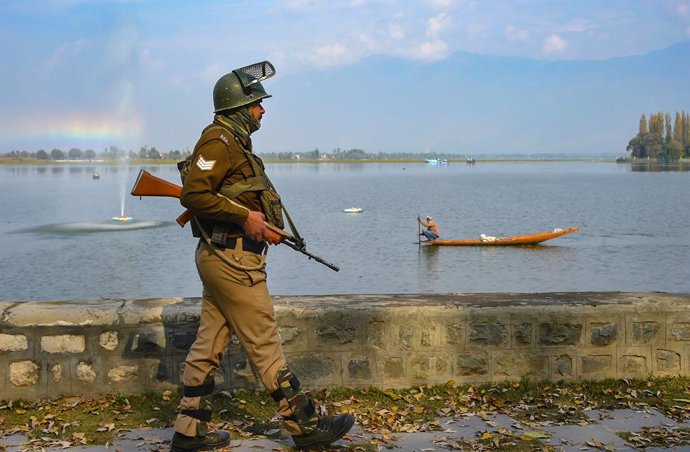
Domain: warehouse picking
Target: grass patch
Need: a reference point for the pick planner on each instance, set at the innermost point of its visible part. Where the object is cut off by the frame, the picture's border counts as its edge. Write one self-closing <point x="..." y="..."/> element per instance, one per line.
<point x="70" y="421"/>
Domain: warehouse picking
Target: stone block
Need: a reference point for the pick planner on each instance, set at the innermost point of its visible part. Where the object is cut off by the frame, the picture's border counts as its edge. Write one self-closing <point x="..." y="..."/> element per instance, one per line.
<point x="406" y="337"/>
<point x="293" y="337"/>
<point x="455" y="334"/>
<point x="646" y="332"/>
<point x="81" y="313"/>
<point x="678" y="331"/>
<point x="634" y="362"/>
<point x="58" y="375"/>
<point x="13" y="343"/>
<point x="336" y="335"/>
<point x="109" y="340"/>
<point x="86" y="372"/>
<point x="492" y="334"/>
<point x="597" y="366"/>
<point x="147" y="311"/>
<point x="317" y="369"/>
<point x="376" y="337"/>
<point x="24" y="373"/>
<point x="472" y="364"/>
<point x="523" y="334"/>
<point x="360" y="370"/>
<point x="122" y="373"/>
<point x="514" y="365"/>
<point x="427" y="335"/>
<point x="563" y="366"/>
<point x="602" y="334"/>
<point x="393" y="368"/>
<point x="429" y="368"/>
<point x="559" y="333"/>
<point x="56" y="372"/>
<point x="63" y="343"/>
<point x="668" y="360"/>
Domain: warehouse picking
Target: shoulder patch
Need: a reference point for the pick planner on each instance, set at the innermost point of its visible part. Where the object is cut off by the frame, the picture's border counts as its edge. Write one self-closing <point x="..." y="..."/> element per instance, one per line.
<point x="224" y="139"/>
<point x="205" y="165"/>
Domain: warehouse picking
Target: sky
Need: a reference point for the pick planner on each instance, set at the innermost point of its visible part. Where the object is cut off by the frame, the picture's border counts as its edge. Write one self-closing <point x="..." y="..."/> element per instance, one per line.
<point x="128" y="73"/>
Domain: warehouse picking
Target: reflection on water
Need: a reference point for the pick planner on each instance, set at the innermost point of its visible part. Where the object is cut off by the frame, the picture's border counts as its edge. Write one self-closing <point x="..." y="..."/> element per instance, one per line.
<point x="89" y="227"/>
<point x="652" y="166"/>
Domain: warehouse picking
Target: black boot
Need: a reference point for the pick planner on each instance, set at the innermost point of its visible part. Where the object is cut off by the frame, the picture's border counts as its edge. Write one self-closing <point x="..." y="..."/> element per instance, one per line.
<point x="327" y="430"/>
<point x="210" y="441"/>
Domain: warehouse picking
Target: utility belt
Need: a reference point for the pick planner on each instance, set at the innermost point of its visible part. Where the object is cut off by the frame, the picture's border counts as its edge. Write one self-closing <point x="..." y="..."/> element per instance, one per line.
<point x="248" y="244"/>
<point x="224" y="236"/>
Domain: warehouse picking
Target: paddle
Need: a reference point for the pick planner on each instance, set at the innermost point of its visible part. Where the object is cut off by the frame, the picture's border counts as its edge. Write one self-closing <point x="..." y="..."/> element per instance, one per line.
<point x="419" y="231"/>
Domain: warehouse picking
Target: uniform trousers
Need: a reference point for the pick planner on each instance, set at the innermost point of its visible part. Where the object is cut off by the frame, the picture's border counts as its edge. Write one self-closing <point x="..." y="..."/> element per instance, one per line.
<point x="235" y="301"/>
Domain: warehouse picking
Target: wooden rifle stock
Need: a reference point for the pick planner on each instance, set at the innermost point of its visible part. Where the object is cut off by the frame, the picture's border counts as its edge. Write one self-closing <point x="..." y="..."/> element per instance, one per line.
<point x="149" y="185"/>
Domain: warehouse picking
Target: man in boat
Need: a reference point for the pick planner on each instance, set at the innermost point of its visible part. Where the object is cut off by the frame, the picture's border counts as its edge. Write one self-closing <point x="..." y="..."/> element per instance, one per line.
<point x="226" y="187"/>
<point x="431" y="232"/>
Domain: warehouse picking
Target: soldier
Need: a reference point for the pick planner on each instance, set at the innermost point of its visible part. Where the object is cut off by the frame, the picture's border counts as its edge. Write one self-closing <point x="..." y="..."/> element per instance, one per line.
<point x="225" y="186"/>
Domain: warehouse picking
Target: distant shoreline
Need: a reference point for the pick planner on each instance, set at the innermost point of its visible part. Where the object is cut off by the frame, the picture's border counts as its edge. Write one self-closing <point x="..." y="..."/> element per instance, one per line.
<point x="29" y="161"/>
<point x="99" y="162"/>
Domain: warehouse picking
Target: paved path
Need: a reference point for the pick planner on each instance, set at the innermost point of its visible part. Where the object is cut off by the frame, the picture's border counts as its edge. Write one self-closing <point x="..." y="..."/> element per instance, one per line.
<point x="598" y="434"/>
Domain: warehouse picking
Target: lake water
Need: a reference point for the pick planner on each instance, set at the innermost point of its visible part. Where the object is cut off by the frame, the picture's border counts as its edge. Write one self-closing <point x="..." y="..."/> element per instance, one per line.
<point x="58" y="241"/>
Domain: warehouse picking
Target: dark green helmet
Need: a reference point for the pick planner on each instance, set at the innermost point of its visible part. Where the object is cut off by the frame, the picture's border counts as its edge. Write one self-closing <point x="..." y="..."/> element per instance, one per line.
<point x="242" y="86"/>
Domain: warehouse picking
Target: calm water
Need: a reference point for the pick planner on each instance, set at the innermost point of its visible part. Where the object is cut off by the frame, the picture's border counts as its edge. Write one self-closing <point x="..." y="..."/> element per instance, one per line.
<point x="57" y="239"/>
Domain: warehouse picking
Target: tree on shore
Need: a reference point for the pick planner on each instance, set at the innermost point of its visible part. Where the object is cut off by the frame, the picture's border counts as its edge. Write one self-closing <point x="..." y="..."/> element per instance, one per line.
<point x="662" y="138"/>
<point x="57" y="154"/>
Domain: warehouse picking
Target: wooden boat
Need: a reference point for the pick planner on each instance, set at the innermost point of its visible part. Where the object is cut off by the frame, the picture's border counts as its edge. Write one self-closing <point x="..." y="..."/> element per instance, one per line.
<point x="531" y="239"/>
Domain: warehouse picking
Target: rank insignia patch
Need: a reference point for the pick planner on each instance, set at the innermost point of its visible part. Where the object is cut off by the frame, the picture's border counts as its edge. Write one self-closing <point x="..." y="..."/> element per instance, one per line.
<point x="205" y="165"/>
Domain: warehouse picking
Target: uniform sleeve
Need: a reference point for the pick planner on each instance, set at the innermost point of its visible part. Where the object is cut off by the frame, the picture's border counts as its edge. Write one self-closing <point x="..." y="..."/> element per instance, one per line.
<point x="210" y="164"/>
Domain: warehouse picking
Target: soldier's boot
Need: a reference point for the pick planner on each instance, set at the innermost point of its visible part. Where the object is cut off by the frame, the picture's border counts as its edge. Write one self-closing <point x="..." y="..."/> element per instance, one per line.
<point x="315" y="431"/>
<point x="209" y="441"/>
<point x="203" y="440"/>
<point x="326" y="430"/>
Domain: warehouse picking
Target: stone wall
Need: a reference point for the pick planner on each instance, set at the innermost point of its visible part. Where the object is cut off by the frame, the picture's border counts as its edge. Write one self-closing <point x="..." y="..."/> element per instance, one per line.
<point x="133" y="346"/>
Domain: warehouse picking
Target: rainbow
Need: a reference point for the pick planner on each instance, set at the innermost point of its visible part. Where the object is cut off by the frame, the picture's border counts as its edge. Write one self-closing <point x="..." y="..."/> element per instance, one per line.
<point x="73" y="130"/>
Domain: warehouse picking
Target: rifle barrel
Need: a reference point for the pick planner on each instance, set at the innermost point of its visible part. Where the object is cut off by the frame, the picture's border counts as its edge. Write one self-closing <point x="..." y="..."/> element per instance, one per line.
<point x="311" y="256"/>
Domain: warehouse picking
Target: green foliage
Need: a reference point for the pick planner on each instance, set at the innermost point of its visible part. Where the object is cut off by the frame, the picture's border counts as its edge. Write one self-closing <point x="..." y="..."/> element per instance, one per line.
<point x="662" y="138"/>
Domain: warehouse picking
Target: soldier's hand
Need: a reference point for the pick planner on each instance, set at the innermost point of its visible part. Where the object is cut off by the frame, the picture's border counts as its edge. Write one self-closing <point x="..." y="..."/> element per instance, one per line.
<point x="254" y="226"/>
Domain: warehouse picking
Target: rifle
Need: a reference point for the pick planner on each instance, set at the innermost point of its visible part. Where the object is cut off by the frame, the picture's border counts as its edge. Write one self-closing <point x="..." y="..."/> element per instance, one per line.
<point x="149" y="185"/>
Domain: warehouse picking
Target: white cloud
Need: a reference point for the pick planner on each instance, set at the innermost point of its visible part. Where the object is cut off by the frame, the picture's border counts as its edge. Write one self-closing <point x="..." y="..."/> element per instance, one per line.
<point x="554" y="43"/>
<point x="443" y="4"/>
<point x="395" y="31"/>
<point x="577" y="25"/>
<point x="430" y="50"/>
<point x="332" y="55"/>
<point x="683" y="9"/>
<point x="516" y="34"/>
<point x="437" y="24"/>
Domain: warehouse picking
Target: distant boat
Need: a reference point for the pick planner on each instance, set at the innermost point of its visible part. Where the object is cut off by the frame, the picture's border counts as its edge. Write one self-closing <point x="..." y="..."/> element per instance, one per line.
<point x="436" y="162"/>
<point x="95" y="176"/>
<point x="470" y="161"/>
<point x="484" y="240"/>
<point x="353" y="210"/>
<point x="123" y="219"/>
